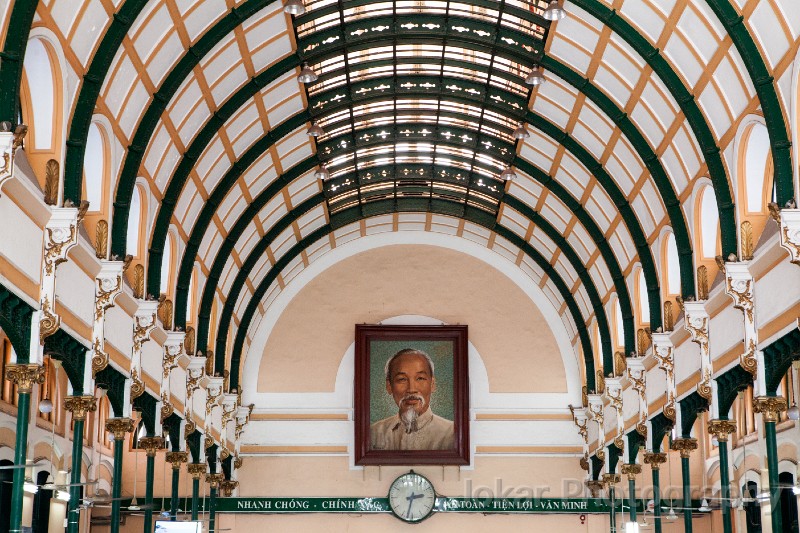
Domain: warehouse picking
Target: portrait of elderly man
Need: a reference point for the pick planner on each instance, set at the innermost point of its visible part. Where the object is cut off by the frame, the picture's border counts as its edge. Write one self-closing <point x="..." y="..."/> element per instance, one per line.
<point x="410" y="382"/>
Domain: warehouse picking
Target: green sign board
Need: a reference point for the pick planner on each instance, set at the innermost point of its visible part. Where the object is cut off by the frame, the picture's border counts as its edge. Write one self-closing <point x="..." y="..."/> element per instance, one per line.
<point x="443" y="505"/>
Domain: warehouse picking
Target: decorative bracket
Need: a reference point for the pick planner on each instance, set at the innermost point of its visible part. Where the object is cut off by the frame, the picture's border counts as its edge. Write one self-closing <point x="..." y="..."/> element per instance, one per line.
<point x="194" y="374"/>
<point x="596" y="413"/>
<point x="107" y="286"/>
<point x="581" y="420"/>
<point x="740" y="286"/>
<point x="696" y="323"/>
<point x="789" y="222"/>
<point x="144" y="321"/>
<point x="664" y="353"/>
<point x="9" y="142"/>
<point x="173" y="350"/>
<point x="637" y="374"/>
<point x="614" y="395"/>
<point x="213" y="387"/>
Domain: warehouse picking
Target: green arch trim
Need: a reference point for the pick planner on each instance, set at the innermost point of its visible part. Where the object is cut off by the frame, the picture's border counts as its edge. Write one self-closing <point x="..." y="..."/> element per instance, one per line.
<point x="123" y="19"/>
<point x="685" y="99"/>
<point x="325" y="230"/>
<point x="15" y="321"/>
<point x="162" y="221"/>
<point x="767" y="95"/>
<point x="12" y="56"/>
<point x="318" y="199"/>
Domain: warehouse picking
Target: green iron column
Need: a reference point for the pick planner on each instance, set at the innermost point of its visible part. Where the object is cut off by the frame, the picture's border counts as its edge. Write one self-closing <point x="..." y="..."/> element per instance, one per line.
<point x="78" y="406"/>
<point x="213" y="481"/>
<point x="24" y="376"/>
<point x="196" y="470"/>
<point x="655" y="460"/>
<point x="770" y="407"/>
<point x="685" y="446"/>
<point x="175" y="459"/>
<point x="632" y="470"/>
<point x="150" y="445"/>
<point x="721" y="429"/>
<point x="610" y="481"/>
<point x="119" y="427"/>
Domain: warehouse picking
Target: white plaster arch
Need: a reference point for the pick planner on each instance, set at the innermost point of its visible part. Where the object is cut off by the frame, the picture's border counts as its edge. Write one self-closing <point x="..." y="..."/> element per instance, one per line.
<point x="569" y="353"/>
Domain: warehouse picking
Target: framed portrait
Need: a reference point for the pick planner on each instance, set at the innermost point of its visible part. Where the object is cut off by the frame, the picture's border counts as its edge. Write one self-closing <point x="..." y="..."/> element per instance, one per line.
<point x="411" y="395"/>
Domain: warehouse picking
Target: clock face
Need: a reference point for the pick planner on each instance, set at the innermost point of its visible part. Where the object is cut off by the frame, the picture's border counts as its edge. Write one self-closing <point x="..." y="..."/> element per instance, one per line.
<point x="411" y="497"/>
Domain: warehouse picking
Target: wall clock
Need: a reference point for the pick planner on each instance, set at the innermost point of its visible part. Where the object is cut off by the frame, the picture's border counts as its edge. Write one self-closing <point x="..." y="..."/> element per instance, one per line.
<point x="411" y="497"/>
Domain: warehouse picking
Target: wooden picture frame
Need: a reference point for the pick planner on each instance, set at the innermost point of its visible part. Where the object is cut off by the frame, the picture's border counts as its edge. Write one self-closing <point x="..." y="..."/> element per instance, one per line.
<point x="381" y="436"/>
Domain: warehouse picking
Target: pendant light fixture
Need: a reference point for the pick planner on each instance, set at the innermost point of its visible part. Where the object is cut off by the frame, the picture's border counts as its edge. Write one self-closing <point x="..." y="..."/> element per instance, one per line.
<point x="315" y="130"/>
<point x="507" y="174"/>
<point x="307" y="75"/>
<point x="521" y="132"/>
<point x="294" y="7"/>
<point x="554" y="11"/>
<point x="536" y="76"/>
<point x="322" y="172"/>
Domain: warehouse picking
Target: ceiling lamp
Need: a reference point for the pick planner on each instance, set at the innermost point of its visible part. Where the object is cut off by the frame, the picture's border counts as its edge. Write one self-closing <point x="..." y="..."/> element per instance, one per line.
<point x="671" y="514"/>
<point x="793" y="413"/>
<point x="295" y="7"/>
<point x="704" y="508"/>
<point x="555" y="11"/>
<point x="46" y="406"/>
<point x="322" y="173"/>
<point x="307" y="75"/>
<point x="508" y="174"/>
<point x="315" y="130"/>
<point x="536" y="77"/>
<point x="521" y="133"/>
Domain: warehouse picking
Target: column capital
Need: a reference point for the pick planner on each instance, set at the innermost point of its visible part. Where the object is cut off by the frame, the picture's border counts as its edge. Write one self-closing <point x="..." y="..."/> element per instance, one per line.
<point x="227" y="487"/>
<point x="769" y="407"/>
<point x="594" y="486"/>
<point x="215" y="479"/>
<point x="611" y="479"/>
<point x="196" y="470"/>
<point x="151" y="445"/>
<point x="119" y="427"/>
<point x="685" y="446"/>
<point x="721" y="429"/>
<point x="176" y="458"/>
<point x="631" y="470"/>
<point x="25" y="375"/>
<point x="79" y="406"/>
<point x="655" y="459"/>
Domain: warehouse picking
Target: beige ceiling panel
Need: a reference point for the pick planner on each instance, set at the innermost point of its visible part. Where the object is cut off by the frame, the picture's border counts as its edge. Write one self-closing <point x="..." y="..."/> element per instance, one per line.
<point x="505" y="249"/>
<point x="630" y="166"/>
<point x="312" y="221"/>
<point x="157" y="150"/>
<point x="194" y="210"/>
<point x="346" y="234"/>
<point x="648" y="124"/>
<point x="139" y="98"/>
<point x="249" y="136"/>
<point x="241" y="120"/>
<point x="268" y="54"/>
<point x="201" y="15"/>
<point x="64" y="14"/>
<point x="303" y="188"/>
<point x="118" y="84"/>
<point x="227" y="276"/>
<point x="154" y="30"/>
<point x="557" y="219"/>
<point x="295" y="267"/>
<point x="583" y="31"/>
<point x="291" y="142"/>
<point x="612" y="84"/>
<point x="677" y="172"/>
<point x="591" y="204"/>
<point x="734" y="90"/>
<point x="526" y="189"/>
<point x="299" y="154"/>
<point x="513" y="220"/>
<point x="213" y="164"/>
<point x="659" y="102"/>
<point x="683" y="59"/>
<point x="539" y="150"/>
<point x="162" y="60"/>
<point x="767" y="25"/>
<point x="221" y="59"/>
<point x="573" y="175"/>
<point x="649" y="15"/>
<point x="577" y="58"/>
<point x="193" y="122"/>
<point x="232" y="214"/>
<point x="90" y="28"/>
<point x="579" y="246"/>
<point x="250" y="236"/>
<point x="288" y="108"/>
<point x="644" y="215"/>
<point x="188" y="96"/>
<point x="619" y="249"/>
<point x="599" y="280"/>
<point x="788" y="11"/>
<point x="542" y="243"/>
<point x="695" y="30"/>
<point x="582" y="298"/>
<point x="272" y="212"/>
<point x="317" y="249"/>
<point x="476" y="234"/>
<point x="443" y="228"/>
<point x="260" y="269"/>
<point x="717" y="114"/>
<point x="565" y="270"/>
<point x="283" y="242"/>
<point x="185" y="200"/>
<point x="233" y="79"/>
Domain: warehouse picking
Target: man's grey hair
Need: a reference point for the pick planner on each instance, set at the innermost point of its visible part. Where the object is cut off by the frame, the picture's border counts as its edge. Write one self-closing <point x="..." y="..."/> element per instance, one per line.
<point x="407" y="351"/>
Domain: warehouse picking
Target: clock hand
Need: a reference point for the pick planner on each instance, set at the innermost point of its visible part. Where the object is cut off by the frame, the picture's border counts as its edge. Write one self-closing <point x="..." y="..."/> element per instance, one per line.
<point x="410" y="499"/>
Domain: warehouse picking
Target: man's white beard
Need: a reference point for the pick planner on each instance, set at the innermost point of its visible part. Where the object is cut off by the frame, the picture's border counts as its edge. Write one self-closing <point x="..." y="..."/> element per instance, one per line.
<point x="408" y="416"/>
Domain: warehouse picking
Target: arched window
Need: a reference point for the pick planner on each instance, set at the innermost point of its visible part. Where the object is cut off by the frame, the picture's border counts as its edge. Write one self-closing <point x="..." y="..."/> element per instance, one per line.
<point x="103" y="414"/>
<point x="671" y="266"/>
<point x="166" y="265"/>
<point x="709" y="223"/>
<point x="190" y="295"/>
<point x="757" y="169"/>
<point x="620" y="327"/>
<point x="94" y="163"/>
<point x="38" y="69"/>
<point x="134" y="221"/>
<point x="644" y="300"/>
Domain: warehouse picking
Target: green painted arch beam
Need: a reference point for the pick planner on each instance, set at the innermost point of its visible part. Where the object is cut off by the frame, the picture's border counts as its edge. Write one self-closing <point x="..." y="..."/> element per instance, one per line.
<point x="325" y="230"/>
<point x="319" y="199"/>
<point x="12" y="56"/>
<point x="176" y="183"/>
<point x="204" y="219"/>
<point x="691" y="110"/>
<point x="764" y="84"/>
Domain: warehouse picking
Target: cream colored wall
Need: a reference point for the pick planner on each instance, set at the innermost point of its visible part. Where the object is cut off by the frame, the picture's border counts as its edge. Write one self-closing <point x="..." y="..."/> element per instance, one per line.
<point x="314" y="331"/>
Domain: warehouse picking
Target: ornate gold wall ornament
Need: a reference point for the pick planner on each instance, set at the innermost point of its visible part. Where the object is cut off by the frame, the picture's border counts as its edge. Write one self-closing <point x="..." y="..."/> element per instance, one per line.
<point x="49" y="322"/>
<point x="655" y="460"/>
<point x="165" y="311"/>
<point x="704" y="386"/>
<point x="83" y="208"/>
<point x="190" y="427"/>
<point x="227" y="487"/>
<point x="142" y="326"/>
<point x="215" y="479"/>
<point x="600" y="454"/>
<point x="702" y="282"/>
<point x="138" y="282"/>
<point x="208" y="442"/>
<point x="9" y="142"/>
<point x="741" y="290"/>
<point x="137" y="386"/>
<point x="685" y="446"/>
<point x="224" y="453"/>
<point x="151" y="445"/>
<point x="643" y="340"/>
<point x="189" y="341"/>
<point x="51" y="182"/>
<point x="119" y="427"/>
<point x="56" y="240"/>
<point x="594" y="486"/>
<point x="176" y="458"/>
<point x="79" y="406"/>
<point x="620" y="364"/>
<point x="25" y="375"/>
<point x="769" y="407"/>
<point x="721" y="429"/>
<point x="585" y="396"/>
<point x="238" y="462"/>
<point x="166" y="407"/>
<point x="584" y="462"/>
<point x="669" y="408"/>
<point x="582" y="425"/>
<point x="611" y="479"/>
<point x="210" y="363"/>
<point x="789" y="221"/>
<point x="600" y="381"/>
<point x="747" y="240"/>
<point x="641" y="429"/>
<point x="619" y="442"/>
<point x="749" y="360"/>
<point x="106" y="290"/>
<point x="631" y="470"/>
<point x="196" y="470"/>
<point x="669" y="318"/>
<point x="101" y="239"/>
<point x="99" y="359"/>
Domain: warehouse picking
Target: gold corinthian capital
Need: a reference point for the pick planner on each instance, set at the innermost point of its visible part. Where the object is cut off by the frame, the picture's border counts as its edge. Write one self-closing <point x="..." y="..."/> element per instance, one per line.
<point x="79" y="406"/>
<point x="25" y="375"/>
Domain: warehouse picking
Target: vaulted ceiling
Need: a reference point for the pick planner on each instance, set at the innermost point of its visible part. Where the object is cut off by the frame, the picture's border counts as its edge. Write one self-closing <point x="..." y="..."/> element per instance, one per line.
<point x="424" y="107"/>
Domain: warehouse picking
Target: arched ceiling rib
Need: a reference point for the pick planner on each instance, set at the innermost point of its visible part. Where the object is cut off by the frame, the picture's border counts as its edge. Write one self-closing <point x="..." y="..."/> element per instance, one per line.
<point x="471" y="26"/>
